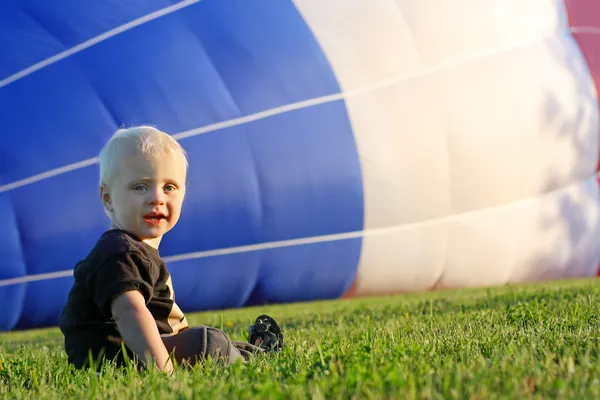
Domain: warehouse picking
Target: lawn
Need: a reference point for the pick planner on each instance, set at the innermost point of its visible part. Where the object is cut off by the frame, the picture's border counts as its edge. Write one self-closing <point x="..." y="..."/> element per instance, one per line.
<point x="526" y="341"/>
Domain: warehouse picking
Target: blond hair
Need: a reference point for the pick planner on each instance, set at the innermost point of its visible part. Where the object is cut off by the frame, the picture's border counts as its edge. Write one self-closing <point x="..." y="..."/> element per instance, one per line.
<point x="147" y="139"/>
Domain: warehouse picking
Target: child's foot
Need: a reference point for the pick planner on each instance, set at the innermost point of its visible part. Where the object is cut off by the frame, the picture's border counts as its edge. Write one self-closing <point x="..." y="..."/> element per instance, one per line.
<point x="266" y="334"/>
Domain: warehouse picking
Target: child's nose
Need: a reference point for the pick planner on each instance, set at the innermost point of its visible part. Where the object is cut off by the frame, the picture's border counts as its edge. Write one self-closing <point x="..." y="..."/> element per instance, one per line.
<point x="157" y="197"/>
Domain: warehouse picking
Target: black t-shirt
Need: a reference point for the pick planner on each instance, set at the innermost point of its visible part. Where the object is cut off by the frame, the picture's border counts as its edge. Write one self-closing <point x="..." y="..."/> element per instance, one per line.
<point x="118" y="262"/>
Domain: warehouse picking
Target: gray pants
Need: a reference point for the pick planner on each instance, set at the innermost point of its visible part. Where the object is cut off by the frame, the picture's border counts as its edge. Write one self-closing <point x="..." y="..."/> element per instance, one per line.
<point x="195" y="344"/>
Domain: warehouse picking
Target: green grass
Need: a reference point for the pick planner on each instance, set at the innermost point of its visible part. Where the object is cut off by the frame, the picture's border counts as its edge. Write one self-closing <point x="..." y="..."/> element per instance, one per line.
<point x="536" y="341"/>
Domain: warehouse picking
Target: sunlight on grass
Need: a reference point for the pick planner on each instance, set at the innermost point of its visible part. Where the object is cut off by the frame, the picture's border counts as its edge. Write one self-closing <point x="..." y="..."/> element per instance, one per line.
<point x="535" y="341"/>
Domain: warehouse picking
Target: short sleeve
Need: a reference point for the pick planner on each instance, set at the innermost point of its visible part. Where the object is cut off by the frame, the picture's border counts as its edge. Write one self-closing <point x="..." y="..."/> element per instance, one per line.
<point x="121" y="273"/>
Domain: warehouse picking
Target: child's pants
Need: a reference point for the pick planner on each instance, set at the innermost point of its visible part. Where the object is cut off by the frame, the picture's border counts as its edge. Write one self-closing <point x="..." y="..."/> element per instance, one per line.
<point x="197" y="343"/>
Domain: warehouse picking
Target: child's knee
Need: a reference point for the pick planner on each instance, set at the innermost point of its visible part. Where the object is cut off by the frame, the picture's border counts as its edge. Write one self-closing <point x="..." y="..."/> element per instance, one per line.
<point x="220" y="347"/>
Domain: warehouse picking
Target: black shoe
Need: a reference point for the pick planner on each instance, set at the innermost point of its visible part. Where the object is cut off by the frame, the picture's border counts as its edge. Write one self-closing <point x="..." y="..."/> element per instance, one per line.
<point x="266" y="334"/>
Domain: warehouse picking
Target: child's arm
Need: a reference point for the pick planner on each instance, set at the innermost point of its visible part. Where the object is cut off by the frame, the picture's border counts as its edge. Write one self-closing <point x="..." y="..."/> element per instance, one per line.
<point x="138" y="329"/>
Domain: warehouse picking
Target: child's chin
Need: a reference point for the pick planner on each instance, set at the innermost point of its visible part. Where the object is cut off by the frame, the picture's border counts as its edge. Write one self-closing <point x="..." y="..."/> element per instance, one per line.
<point x="155" y="233"/>
<point x="151" y="233"/>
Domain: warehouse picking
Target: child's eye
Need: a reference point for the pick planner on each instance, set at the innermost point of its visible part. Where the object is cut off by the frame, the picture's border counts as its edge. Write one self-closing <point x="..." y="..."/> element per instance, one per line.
<point x="170" y="188"/>
<point x="139" y="188"/>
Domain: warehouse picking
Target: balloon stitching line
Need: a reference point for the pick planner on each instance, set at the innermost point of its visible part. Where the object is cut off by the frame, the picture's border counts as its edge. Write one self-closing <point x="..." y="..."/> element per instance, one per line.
<point x="96" y="39"/>
<point x="293" y="242"/>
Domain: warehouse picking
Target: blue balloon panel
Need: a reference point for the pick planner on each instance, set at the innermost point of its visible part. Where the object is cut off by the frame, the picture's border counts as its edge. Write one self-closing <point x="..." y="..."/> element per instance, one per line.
<point x="13" y="265"/>
<point x="263" y="51"/>
<point x="289" y="174"/>
<point x="218" y="282"/>
<point x="312" y="271"/>
<point x="59" y="220"/>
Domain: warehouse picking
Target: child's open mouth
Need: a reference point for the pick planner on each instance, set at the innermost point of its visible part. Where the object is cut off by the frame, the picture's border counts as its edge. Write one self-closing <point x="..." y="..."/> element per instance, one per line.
<point x="154" y="218"/>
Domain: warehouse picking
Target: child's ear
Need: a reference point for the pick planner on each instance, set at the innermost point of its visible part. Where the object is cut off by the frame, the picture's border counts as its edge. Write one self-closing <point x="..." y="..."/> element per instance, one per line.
<point x="105" y="197"/>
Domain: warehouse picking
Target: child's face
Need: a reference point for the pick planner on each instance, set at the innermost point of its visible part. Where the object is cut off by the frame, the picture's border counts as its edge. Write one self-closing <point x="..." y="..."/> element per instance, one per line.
<point x="146" y="195"/>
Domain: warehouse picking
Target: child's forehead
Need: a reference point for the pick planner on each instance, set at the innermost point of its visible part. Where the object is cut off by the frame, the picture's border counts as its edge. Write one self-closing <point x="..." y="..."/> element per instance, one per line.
<point x="137" y="154"/>
<point x="138" y="162"/>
